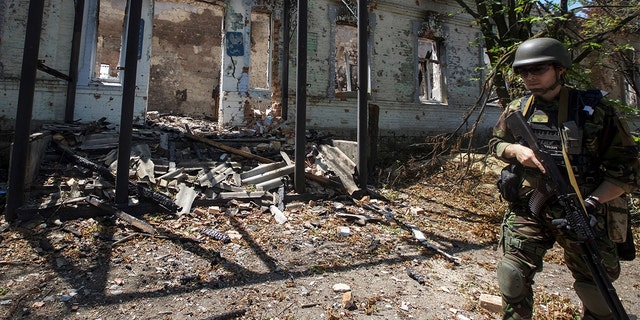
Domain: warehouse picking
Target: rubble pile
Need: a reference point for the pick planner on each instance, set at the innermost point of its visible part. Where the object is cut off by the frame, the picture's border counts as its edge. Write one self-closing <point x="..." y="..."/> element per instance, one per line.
<point x="214" y="230"/>
<point x="180" y="163"/>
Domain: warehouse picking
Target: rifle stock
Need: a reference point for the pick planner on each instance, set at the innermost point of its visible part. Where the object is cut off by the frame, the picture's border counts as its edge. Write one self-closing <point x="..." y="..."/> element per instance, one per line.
<point x="577" y="219"/>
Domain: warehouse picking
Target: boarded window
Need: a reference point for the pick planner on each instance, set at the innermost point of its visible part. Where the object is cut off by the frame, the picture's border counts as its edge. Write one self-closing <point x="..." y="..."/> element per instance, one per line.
<point x="429" y="71"/>
<point x="259" y="74"/>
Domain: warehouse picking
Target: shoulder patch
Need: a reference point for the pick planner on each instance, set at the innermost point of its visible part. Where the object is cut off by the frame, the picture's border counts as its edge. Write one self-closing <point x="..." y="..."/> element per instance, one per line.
<point x="591" y="97"/>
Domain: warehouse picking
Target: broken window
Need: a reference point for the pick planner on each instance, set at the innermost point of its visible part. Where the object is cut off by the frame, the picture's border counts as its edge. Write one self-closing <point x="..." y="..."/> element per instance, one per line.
<point x="109" y="38"/>
<point x="631" y="96"/>
<point x="259" y="74"/>
<point x="346" y="45"/>
<point x="429" y="71"/>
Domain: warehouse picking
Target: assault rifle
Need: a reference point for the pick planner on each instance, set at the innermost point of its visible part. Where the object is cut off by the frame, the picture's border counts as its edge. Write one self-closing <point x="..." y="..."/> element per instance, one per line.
<point x="575" y="215"/>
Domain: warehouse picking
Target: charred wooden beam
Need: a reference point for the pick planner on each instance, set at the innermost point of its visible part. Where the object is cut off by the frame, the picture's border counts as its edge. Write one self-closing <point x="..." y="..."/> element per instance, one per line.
<point x="140" y="224"/>
<point x="227" y="148"/>
<point x="135" y="188"/>
<point x="195" y="146"/>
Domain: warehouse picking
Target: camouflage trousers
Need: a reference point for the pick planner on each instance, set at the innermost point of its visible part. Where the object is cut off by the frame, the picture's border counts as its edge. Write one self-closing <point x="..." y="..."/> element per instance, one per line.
<point x="525" y="239"/>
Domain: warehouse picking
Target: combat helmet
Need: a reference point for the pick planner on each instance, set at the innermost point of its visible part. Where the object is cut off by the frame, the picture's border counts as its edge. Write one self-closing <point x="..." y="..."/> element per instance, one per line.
<point x="541" y="50"/>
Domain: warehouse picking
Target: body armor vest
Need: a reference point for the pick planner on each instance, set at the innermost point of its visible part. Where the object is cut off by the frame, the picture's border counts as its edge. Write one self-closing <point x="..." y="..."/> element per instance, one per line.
<point x="544" y="124"/>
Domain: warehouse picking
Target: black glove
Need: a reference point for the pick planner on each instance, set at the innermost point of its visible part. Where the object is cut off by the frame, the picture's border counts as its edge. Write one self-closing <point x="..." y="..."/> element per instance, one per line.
<point x="591" y="205"/>
<point x="560" y="223"/>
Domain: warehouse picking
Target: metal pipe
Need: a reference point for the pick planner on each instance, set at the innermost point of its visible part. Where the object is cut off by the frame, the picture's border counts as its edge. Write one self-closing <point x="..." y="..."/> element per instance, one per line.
<point x="363" y="91"/>
<point x="43" y="67"/>
<point x="128" y="101"/>
<point x="301" y="98"/>
<point x="24" y="111"/>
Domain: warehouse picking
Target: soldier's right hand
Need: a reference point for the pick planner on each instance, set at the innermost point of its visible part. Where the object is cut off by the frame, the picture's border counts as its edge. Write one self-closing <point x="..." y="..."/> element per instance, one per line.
<point x="524" y="155"/>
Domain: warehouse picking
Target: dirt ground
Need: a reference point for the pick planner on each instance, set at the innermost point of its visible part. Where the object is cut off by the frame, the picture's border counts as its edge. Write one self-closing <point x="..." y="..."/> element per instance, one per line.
<point x="74" y="263"/>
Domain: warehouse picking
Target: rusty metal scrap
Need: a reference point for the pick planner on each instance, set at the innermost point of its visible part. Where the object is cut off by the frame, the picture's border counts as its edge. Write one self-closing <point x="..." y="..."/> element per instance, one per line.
<point x="216" y="234"/>
<point x="416" y="276"/>
<point x="415" y="231"/>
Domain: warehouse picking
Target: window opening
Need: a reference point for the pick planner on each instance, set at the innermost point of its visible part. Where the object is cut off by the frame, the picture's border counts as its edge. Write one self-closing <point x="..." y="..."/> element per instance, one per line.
<point x="630" y="95"/>
<point x="429" y="71"/>
<point x="259" y="71"/>
<point x="346" y="63"/>
<point x="110" y="34"/>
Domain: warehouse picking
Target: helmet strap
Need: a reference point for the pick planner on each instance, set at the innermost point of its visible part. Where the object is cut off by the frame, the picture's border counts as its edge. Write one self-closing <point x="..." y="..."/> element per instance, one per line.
<point x="553" y="86"/>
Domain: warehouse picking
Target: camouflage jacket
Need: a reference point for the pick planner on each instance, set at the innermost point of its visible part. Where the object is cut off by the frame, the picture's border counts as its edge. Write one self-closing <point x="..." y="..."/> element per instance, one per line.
<point x="605" y="136"/>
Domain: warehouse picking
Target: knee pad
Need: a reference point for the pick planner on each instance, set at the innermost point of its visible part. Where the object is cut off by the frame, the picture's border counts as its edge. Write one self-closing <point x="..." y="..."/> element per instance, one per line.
<point x="511" y="281"/>
<point x="595" y="306"/>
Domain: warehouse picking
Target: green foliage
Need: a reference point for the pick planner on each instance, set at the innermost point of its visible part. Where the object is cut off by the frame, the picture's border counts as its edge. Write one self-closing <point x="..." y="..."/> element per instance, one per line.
<point x="623" y="107"/>
<point x="594" y="28"/>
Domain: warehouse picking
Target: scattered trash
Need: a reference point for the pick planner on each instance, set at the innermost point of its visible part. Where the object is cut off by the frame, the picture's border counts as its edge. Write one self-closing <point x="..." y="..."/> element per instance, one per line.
<point x="213" y="233"/>
<point x="416" y="276"/>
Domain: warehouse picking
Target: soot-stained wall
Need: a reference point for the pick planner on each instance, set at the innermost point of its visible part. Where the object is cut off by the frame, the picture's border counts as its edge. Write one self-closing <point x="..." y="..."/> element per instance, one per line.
<point x="185" y="61"/>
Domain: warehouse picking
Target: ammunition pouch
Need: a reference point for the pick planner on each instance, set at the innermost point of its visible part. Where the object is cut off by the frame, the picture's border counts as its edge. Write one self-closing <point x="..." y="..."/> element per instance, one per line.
<point x="619" y="228"/>
<point x="510" y="181"/>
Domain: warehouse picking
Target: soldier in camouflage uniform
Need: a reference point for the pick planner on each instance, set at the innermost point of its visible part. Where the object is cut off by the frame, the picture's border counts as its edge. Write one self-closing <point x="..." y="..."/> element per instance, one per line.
<point x="604" y="158"/>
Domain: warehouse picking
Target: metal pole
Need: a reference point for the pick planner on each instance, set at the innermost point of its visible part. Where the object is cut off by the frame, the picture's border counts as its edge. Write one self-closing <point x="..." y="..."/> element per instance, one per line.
<point x="301" y="98"/>
<point x="363" y="91"/>
<point x="286" y="18"/>
<point x="73" y="62"/>
<point x="20" y="148"/>
<point x="128" y="101"/>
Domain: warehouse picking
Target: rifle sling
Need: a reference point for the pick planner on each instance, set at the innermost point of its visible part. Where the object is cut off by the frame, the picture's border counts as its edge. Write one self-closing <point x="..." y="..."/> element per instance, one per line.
<point x="562" y="117"/>
<point x="563" y="111"/>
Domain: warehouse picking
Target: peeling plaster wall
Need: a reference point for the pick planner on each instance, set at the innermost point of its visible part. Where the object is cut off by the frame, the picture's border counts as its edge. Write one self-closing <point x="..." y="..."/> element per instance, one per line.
<point x="393" y="71"/>
<point x="198" y="46"/>
<point x="234" y="102"/>
<point x="55" y="48"/>
<point x="176" y="74"/>
<point x="93" y="100"/>
<point x="185" y="65"/>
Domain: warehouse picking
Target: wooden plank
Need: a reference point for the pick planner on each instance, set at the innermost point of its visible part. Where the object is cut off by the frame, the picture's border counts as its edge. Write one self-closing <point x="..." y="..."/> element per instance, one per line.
<point x="227" y="148"/>
<point x="140" y="224"/>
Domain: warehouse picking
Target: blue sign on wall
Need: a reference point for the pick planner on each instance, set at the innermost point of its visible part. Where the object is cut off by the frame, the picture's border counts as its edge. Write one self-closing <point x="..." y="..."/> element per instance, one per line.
<point x="235" y="44"/>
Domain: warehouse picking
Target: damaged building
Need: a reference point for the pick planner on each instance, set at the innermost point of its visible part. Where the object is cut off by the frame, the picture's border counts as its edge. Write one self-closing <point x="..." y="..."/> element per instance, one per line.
<point x="164" y="160"/>
<point x="237" y="63"/>
<point x="226" y="60"/>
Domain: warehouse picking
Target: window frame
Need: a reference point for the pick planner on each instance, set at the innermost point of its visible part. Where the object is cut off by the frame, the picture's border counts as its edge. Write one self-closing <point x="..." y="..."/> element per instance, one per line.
<point x="342" y="60"/>
<point x="269" y="68"/>
<point x="430" y="29"/>
<point x="431" y="84"/>
<point x="89" y="48"/>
